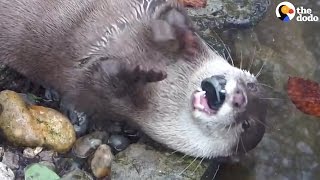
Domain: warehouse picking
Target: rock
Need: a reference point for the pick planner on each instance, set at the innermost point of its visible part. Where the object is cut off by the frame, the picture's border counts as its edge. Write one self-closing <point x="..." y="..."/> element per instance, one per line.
<point x="40" y="172"/>
<point x="66" y="165"/>
<point x="47" y="155"/>
<point x="1" y="152"/>
<point x="118" y="142"/>
<point x="34" y="126"/>
<point x="31" y="153"/>
<point x="77" y="174"/>
<point x="140" y="161"/>
<point x="101" y="161"/>
<point x="49" y="165"/>
<point x="86" y="145"/>
<point x="5" y="172"/>
<point x="11" y="160"/>
<point x="229" y="13"/>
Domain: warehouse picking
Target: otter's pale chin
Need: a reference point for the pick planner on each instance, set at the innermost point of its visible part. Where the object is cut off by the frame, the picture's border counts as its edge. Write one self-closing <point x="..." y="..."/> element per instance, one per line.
<point x="200" y="103"/>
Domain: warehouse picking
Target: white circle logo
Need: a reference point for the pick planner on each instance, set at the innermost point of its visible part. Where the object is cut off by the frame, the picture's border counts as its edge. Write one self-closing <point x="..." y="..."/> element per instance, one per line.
<point x="285" y="11"/>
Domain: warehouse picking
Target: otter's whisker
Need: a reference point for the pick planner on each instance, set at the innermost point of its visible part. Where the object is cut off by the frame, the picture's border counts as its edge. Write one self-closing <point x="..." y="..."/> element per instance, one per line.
<point x="188" y="166"/>
<point x="229" y="128"/>
<point x="251" y="62"/>
<point x="266" y="85"/>
<point x="264" y="124"/>
<point x="215" y="174"/>
<point x="225" y="47"/>
<point x="244" y="148"/>
<point x="241" y="59"/>
<point x="182" y="158"/>
<point x="197" y="166"/>
<point x="237" y="146"/>
<point x="272" y="98"/>
<point x="259" y="72"/>
<point x="172" y="153"/>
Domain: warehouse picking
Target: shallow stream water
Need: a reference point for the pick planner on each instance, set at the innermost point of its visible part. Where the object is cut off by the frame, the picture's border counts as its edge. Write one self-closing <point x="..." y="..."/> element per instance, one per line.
<point x="291" y="147"/>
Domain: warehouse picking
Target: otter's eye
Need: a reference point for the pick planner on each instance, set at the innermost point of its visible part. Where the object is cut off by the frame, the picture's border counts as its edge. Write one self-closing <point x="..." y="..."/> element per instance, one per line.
<point x="245" y="125"/>
<point x="252" y="87"/>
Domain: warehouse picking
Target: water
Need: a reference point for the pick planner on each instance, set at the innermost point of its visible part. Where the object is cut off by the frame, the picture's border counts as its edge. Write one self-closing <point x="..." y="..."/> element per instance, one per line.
<point x="291" y="147"/>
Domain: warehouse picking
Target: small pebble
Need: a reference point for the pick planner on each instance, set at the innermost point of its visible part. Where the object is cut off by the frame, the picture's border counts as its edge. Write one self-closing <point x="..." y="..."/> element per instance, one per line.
<point x="47" y="155"/>
<point x="1" y="152"/>
<point x="118" y="142"/>
<point x="101" y="161"/>
<point x="77" y="174"/>
<point x="38" y="172"/>
<point x="31" y="153"/>
<point x="11" y="160"/>
<point x="66" y="165"/>
<point x="86" y="145"/>
<point x="5" y="172"/>
<point x="49" y="165"/>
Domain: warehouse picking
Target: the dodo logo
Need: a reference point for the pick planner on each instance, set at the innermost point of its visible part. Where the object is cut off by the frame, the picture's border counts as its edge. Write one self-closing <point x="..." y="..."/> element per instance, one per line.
<point x="285" y="11"/>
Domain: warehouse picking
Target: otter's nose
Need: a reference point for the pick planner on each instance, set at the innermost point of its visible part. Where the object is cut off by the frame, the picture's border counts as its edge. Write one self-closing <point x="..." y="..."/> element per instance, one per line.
<point x="239" y="100"/>
<point x="215" y="91"/>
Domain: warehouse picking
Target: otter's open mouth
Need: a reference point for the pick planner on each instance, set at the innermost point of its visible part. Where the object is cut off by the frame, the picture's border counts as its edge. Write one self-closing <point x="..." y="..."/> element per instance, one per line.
<point x="200" y="102"/>
<point x="210" y="97"/>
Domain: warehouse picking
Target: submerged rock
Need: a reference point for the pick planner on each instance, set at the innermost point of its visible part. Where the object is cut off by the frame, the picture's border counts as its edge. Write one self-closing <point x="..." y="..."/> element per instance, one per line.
<point x="86" y="145"/>
<point x="118" y="142"/>
<point x="5" y="172"/>
<point x="40" y="172"/>
<point x="77" y="174"/>
<point x="229" y="13"/>
<point x="141" y="161"/>
<point x="31" y="153"/>
<point x="34" y="126"/>
<point x="101" y="161"/>
<point x="11" y="159"/>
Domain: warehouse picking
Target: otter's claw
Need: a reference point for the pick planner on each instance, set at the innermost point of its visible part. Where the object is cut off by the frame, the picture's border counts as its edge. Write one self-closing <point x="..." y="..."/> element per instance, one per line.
<point x="148" y="75"/>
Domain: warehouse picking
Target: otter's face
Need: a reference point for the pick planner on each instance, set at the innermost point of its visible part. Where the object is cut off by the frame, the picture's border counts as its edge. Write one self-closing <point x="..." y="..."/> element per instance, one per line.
<point x="227" y="99"/>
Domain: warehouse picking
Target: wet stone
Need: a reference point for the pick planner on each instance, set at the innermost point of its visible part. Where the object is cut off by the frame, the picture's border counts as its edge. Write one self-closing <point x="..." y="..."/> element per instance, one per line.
<point x="1" y="152"/>
<point x="118" y="142"/>
<point x="47" y="155"/>
<point x="101" y="161"/>
<point x="305" y="148"/>
<point x="5" y="172"/>
<point x="85" y="145"/>
<point x="77" y="174"/>
<point x="229" y="13"/>
<point x="66" y="165"/>
<point x="11" y="160"/>
<point x="31" y="153"/>
<point x="39" y="171"/>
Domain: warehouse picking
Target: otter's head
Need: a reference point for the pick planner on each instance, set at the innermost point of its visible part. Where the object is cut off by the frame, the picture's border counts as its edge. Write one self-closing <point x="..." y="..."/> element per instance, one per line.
<point x="225" y="105"/>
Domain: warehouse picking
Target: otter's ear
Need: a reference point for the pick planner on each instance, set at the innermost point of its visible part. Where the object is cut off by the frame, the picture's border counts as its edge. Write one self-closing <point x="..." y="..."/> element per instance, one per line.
<point x="173" y="31"/>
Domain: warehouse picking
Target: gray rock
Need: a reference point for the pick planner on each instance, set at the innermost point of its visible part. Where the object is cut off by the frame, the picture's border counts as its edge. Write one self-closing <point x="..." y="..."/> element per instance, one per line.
<point x="5" y="172"/>
<point x="141" y="161"/>
<point x="11" y="160"/>
<point x="229" y="13"/>
<point x="77" y="175"/>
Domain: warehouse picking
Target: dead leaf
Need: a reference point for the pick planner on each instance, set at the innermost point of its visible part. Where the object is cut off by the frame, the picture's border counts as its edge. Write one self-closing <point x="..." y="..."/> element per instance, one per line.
<point x="194" y="3"/>
<point x="305" y="94"/>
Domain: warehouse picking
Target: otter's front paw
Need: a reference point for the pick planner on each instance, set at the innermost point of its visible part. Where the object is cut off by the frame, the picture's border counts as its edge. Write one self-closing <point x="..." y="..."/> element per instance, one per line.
<point x="144" y="74"/>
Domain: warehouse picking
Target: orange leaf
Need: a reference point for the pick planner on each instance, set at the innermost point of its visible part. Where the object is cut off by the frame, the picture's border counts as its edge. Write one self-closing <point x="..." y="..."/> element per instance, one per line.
<point x="194" y="3"/>
<point x="305" y="94"/>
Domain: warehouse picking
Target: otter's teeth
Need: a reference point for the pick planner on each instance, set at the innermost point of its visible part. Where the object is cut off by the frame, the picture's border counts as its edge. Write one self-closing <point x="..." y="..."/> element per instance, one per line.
<point x="201" y="93"/>
<point x="199" y="106"/>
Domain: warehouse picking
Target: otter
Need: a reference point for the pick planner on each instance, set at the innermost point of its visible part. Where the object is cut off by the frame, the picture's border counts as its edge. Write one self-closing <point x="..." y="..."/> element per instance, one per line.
<point x="141" y="61"/>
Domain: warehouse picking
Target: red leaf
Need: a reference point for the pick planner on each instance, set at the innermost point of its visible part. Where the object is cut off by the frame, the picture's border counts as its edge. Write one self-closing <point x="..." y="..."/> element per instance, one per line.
<point x="305" y="94"/>
<point x="194" y="3"/>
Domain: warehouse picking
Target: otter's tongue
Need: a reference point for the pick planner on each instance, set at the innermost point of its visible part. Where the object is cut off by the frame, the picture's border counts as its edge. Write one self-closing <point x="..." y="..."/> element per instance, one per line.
<point x="200" y="102"/>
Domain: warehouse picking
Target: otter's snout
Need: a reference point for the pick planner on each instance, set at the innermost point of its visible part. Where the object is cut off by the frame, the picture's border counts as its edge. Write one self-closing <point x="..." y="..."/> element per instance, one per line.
<point x="215" y="91"/>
